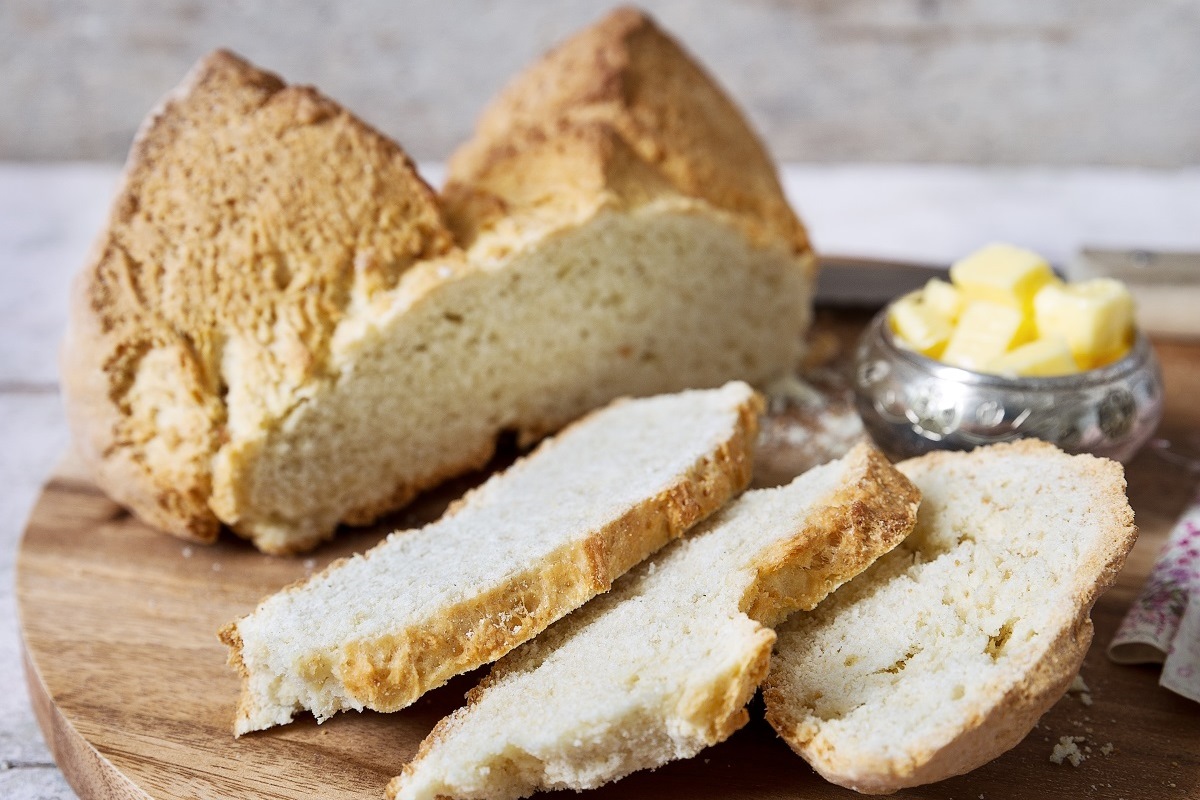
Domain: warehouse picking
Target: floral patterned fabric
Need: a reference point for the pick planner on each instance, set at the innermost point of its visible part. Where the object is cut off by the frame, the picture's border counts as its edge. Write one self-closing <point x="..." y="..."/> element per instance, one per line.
<point x="1163" y="625"/>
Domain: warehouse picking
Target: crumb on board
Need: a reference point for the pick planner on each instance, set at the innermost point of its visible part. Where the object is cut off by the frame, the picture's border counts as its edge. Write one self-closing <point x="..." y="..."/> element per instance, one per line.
<point x="187" y="551"/>
<point x="1067" y="749"/>
<point x="1080" y="688"/>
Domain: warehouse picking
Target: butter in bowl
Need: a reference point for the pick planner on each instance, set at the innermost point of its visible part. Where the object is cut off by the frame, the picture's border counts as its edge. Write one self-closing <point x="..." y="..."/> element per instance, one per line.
<point x="1005" y="351"/>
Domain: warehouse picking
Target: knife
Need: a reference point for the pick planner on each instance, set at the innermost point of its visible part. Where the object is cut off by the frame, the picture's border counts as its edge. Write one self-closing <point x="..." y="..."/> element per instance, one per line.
<point x="851" y="282"/>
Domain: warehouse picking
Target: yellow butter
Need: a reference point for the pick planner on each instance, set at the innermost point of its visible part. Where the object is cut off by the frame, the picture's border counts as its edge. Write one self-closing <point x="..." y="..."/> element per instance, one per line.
<point x="918" y="326"/>
<point x="1040" y="358"/>
<point x="1002" y="273"/>
<point x="985" y="331"/>
<point x="1095" y="317"/>
<point x="943" y="299"/>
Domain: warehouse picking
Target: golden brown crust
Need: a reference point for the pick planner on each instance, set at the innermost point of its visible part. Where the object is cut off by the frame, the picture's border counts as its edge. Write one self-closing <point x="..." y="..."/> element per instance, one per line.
<point x="390" y="672"/>
<point x="544" y="180"/>
<point x="870" y="516"/>
<point x="720" y="709"/>
<point x="626" y="75"/>
<point x="1004" y="725"/>
<point x="252" y="213"/>
<point x="691" y="499"/>
<point x="1011" y="714"/>
<point x="222" y="232"/>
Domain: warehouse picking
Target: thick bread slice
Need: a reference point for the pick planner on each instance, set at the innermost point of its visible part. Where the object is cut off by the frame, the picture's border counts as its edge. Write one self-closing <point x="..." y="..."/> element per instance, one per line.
<point x="528" y="546"/>
<point x="944" y="654"/>
<point x="279" y="334"/>
<point x="665" y="664"/>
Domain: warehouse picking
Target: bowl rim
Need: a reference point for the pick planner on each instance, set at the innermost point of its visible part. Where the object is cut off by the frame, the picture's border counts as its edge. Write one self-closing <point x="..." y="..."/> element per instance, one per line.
<point x="1140" y="352"/>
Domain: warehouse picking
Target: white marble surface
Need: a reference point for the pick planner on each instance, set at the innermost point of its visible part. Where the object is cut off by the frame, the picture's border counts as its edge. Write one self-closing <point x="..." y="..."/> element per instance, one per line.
<point x="50" y="213"/>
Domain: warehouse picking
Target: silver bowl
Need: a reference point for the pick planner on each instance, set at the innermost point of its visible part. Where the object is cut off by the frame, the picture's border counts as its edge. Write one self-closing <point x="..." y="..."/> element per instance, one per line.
<point x="911" y="404"/>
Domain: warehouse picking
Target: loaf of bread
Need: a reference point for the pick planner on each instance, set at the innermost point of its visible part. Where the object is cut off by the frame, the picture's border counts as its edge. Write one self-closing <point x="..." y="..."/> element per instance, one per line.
<point x="664" y="665"/>
<point x="528" y="546"/>
<point x="256" y="226"/>
<point x="282" y="328"/>
<point x="945" y="653"/>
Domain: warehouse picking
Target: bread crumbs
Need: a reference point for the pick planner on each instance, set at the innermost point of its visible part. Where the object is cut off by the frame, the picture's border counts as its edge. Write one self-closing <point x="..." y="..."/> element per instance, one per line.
<point x="1080" y="688"/>
<point x="1067" y="749"/>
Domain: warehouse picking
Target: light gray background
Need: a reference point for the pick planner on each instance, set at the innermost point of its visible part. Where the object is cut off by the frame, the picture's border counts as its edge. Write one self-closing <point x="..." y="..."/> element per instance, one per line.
<point x="1062" y="82"/>
<point x="1046" y="103"/>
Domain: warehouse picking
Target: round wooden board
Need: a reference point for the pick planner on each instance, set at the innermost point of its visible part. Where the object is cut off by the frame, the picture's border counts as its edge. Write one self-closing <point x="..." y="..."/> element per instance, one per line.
<point x="132" y="691"/>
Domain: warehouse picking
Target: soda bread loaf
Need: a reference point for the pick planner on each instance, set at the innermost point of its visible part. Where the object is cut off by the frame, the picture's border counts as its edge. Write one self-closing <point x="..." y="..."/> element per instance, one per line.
<point x="282" y="328"/>
<point x="945" y="653"/>
<point x="253" y="222"/>
<point x="664" y="665"/>
<point x="528" y="546"/>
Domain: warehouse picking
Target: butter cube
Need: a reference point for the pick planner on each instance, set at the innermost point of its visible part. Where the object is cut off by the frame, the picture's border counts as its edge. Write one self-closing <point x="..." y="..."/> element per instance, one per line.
<point x="918" y="326"/>
<point x="985" y="331"/>
<point x="943" y="298"/>
<point x="1002" y="273"/>
<point x="1039" y="358"/>
<point x="1095" y="317"/>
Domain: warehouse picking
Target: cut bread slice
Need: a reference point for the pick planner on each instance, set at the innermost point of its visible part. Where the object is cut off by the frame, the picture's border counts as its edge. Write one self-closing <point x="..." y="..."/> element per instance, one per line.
<point x="946" y="652"/>
<point x="280" y="332"/>
<point x="664" y="665"/>
<point x="528" y="546"/>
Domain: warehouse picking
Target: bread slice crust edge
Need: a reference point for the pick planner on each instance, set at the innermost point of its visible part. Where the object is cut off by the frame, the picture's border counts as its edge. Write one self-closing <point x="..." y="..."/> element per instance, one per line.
<point x="870" y="515"/>
<point x="390" y="672"/>
<point x="1008" y="717"/>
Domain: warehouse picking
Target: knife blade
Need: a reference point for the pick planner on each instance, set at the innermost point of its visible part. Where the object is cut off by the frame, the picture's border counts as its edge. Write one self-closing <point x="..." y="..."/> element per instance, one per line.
<point x="852" y="282"/>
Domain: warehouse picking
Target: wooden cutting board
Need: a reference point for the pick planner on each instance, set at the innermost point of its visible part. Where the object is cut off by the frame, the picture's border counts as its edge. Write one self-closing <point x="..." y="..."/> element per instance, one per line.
<point x="131" y="688"/>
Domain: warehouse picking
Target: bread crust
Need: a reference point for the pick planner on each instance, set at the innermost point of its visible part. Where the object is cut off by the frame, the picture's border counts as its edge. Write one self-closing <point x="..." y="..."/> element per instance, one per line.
<point x="91" y="390"/>
<point x="626" y="77"/>
<point x="195" y="341"/>
<point x="1008" y="716"/>
<point x="390" y="672"/>
<point x="869" y="515"/>
<point x="173" y="279"/>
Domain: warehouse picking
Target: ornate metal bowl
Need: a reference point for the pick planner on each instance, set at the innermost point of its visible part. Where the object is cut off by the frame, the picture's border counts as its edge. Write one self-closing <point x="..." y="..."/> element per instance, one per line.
<point x="911" y="404"/>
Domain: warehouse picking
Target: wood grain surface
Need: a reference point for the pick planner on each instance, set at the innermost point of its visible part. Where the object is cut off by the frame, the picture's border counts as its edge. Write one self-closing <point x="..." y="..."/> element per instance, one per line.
<point x="132" y="691"/>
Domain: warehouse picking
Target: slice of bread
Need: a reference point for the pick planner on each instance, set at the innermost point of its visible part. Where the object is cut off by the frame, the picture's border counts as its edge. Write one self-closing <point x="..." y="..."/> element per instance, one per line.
<point x="531" y="544"/>
<point x="278" y="330"/>
<point x="946" y="652"/>
<point x="664" y="665"/>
